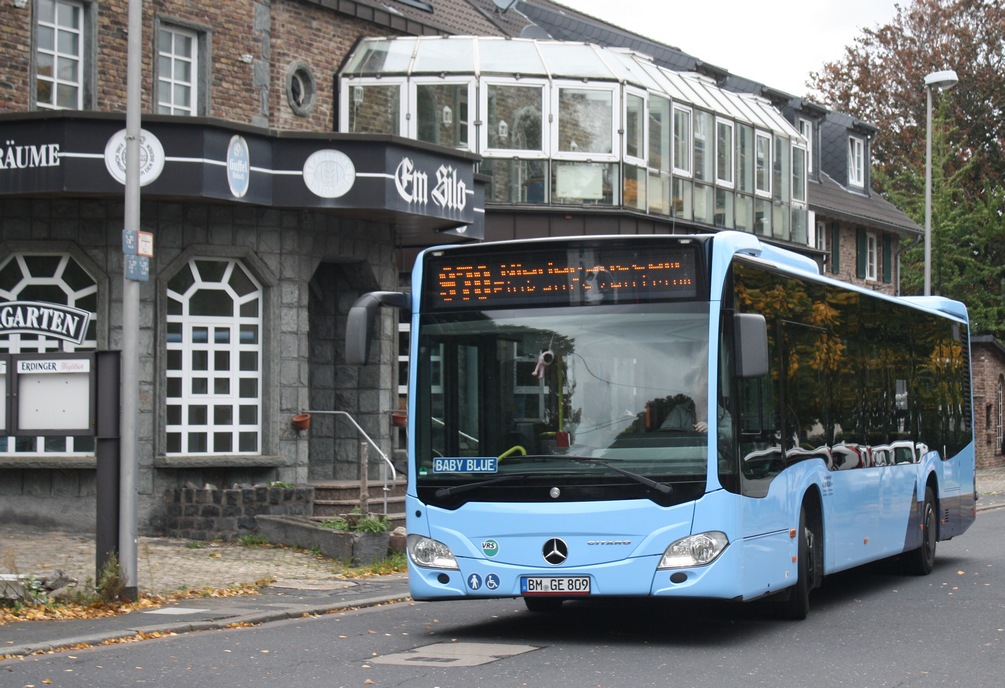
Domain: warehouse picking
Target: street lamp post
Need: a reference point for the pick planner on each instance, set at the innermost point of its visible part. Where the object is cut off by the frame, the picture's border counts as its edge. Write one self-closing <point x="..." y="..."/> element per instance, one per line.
<point x="940" y="81"/>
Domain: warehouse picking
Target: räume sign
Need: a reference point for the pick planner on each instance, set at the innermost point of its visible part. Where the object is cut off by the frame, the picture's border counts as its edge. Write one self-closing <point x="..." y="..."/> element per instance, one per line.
<point x="44" y="319"/>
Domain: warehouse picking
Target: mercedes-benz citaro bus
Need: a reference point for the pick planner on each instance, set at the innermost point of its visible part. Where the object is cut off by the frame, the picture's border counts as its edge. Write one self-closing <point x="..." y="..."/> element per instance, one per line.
<point x="701" y="416"/>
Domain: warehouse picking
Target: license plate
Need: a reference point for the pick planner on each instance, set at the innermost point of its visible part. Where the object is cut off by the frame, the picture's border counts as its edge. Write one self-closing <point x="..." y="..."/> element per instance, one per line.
<point x="555" y="585"/>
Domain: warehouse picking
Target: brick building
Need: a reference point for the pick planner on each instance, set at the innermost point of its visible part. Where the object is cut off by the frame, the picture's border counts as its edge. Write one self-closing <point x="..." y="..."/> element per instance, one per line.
<point x="989" y="387"/>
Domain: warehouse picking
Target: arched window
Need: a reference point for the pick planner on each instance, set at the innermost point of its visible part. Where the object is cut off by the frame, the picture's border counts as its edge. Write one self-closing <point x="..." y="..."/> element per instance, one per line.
<point x="51" y="278"/>
<point x="214" y="359"/>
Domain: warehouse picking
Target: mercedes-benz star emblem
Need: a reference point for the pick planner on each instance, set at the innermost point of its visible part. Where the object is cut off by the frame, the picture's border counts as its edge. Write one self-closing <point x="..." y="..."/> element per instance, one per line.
<point x="555" y="551"/>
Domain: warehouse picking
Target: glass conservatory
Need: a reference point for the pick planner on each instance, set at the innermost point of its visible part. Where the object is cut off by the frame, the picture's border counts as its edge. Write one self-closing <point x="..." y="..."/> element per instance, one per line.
<point x="573" y="124"/>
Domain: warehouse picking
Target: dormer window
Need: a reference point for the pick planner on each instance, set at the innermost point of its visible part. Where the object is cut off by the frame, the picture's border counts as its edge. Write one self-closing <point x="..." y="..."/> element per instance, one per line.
<point x="856" y="162"/>
<point x="806" y="129"/>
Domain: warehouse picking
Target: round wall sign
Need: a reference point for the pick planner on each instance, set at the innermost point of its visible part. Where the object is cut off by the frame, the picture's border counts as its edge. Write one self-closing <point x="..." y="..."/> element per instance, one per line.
<point x="329" y="173"/>
<point x="238" y="166"/>
<point x="151" y="157"/>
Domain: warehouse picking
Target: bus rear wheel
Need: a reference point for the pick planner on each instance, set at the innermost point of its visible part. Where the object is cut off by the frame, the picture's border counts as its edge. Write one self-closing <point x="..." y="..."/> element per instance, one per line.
<point x="921" y="561"/>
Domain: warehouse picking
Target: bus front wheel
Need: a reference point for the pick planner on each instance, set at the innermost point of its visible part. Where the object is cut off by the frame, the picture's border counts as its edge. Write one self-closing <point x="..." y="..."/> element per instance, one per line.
<point x="921" y="561"/>
<point x="794" y="603"/>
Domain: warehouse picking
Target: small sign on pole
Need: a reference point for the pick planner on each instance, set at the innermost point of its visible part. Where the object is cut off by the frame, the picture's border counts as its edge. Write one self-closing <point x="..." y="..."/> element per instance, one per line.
<point x="145" y="244"/>
<point x="138" y="268"/>
<point x="138" y="249"/>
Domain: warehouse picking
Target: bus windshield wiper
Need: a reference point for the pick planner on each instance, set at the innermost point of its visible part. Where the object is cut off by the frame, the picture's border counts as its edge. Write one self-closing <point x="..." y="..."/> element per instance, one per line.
<point x="457" y="489"/>
<point x="648" y="482"/>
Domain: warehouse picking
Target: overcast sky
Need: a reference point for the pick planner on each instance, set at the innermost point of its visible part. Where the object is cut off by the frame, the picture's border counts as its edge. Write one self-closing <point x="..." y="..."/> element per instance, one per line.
<point x="775" y="42"/>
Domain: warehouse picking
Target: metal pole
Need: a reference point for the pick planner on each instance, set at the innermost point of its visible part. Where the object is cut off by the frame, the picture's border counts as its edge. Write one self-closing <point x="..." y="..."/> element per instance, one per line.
<point x="131" y="311"/>
<point x="928" y="190"/>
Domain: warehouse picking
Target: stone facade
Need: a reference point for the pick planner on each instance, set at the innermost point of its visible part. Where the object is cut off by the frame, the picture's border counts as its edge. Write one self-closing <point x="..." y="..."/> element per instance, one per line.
<point x="312" y="265"/>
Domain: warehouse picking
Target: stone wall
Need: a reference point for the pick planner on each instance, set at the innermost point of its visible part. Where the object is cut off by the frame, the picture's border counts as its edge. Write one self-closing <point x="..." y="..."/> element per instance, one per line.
<point x="210" y="513"/>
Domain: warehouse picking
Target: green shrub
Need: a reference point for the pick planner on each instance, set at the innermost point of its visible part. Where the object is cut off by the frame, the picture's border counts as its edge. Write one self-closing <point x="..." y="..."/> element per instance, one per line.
<point x="253" y="540"/>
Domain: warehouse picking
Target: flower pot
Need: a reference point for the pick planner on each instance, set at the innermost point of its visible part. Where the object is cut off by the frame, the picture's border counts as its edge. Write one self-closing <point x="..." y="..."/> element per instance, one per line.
<point x="302" y="421"/>
<point x="399" y="420"/>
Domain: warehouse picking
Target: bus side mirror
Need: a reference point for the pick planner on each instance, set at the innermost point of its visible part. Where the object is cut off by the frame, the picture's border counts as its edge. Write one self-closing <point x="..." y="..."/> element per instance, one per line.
<point x="360" y="322"/>
<point x="750" y="333"/>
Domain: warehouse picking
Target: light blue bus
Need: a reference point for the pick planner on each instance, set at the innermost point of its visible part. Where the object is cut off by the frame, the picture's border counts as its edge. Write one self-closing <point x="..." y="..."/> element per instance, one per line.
<point x="699" y="416"/>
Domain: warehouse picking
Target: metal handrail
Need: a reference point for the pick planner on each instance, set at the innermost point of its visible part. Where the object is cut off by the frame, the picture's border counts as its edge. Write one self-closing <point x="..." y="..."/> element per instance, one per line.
<point x="361" y="431"/>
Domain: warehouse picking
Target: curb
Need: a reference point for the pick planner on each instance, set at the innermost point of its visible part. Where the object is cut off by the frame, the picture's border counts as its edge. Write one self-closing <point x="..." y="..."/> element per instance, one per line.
<point x="253" y="619"/>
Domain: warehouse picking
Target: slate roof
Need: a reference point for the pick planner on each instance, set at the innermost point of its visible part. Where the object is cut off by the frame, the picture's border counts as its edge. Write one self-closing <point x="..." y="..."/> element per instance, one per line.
<point x="829" y="198"/>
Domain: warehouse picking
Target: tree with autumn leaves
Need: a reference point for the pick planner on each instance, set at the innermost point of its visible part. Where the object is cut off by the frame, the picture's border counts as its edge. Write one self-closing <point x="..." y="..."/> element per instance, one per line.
<point x="880" y="80"/>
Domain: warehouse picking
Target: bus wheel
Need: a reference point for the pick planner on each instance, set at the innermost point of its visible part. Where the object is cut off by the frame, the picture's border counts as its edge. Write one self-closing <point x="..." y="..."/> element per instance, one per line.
<point x="543" y="604"/>
<point x="794" y="603"/>
<point x="921" y="561"/>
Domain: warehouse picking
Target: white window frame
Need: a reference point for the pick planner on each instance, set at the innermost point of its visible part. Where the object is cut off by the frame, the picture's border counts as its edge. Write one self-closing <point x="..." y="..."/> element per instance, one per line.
<point x="168" y="83"/>
<point x="14" y="343"/>
<point x="725" y="181"/>
<point x="805" y="127"/>
<point x="801" y="198"/>
<point x="638" y="160"/>
<point x="59" y="77"/>
<point x="707" y="139"/>
<point x="666" y="153"/>
<point x="584" y="156"/>
<point x="483" y="134"/>
<point x="871" y="257"/>
<point x="763" y="192"/>
<point x="687" y="139"/>
<point x="820" y="238"/>
<point x="348" y="96"/>
<point x="412" y="116"/>
<point x="212" y="398"/>
<point x="856" y="162"/>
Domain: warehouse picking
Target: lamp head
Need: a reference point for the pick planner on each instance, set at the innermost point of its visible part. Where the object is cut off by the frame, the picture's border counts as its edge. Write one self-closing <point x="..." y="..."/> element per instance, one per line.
<point x="942" y="81"/>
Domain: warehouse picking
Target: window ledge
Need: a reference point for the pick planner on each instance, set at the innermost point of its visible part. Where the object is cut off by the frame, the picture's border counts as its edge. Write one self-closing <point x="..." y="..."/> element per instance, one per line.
<point x="57" y="461"/>
<point x="219" y="461"/>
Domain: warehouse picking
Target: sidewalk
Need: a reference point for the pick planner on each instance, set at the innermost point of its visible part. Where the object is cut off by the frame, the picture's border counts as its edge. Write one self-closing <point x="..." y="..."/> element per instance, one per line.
<point x="302" y="583"/>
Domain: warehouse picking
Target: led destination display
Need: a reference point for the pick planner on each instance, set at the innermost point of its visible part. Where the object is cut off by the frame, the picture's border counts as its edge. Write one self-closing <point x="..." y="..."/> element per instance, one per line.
<point x="578" y="276"/>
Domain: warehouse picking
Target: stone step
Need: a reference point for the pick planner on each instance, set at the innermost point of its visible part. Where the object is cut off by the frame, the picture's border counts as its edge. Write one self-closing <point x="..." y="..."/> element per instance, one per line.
<point x="349" y="489"/>
<point x="334" y="507"/>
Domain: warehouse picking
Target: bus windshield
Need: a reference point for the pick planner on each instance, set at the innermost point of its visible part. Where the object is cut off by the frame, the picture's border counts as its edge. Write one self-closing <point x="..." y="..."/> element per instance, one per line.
<point x="567" y="393"/>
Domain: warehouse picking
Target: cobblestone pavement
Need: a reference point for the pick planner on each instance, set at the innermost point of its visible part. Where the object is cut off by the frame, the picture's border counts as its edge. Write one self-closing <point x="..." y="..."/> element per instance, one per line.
<point x="166" y="565"/>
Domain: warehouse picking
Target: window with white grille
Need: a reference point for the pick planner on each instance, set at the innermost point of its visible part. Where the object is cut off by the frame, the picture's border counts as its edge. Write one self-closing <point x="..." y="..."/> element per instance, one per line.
<point x="59" y="55"/>
<point x="214" y="359"/>
<point x="177" y="71"/>
<point x="50" y="278"/>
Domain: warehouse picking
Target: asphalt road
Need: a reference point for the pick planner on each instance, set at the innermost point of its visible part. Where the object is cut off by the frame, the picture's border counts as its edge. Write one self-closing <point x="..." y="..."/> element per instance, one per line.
<point x="872" y="627"/>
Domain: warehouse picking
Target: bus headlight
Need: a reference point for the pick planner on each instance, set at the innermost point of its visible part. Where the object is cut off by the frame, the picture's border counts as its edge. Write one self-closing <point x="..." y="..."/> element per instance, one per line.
<point x="694" y="550"/>
<point x="429" y="553"/>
